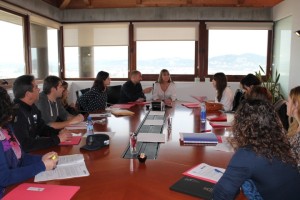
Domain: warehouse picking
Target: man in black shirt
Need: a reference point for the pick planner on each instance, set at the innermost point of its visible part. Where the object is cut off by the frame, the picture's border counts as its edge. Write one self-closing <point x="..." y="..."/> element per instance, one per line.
<point x="132" y="91"/>
<point x="29" y="127"/>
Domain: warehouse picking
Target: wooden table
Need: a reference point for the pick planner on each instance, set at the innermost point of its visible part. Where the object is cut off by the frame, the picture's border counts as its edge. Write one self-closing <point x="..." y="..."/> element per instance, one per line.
<point x="112" y="177"/>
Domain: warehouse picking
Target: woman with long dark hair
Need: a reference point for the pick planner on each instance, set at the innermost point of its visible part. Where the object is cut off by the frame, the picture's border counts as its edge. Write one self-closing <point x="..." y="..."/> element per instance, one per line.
<point x="263" y="164"/>
<point x="224" y="93"/>
<point x="96" y="98"/>
<point x="15" y="165"/>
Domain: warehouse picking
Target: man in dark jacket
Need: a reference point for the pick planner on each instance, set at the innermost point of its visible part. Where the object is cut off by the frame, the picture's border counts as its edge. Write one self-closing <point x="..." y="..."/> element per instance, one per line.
<point x="29" y="127"/>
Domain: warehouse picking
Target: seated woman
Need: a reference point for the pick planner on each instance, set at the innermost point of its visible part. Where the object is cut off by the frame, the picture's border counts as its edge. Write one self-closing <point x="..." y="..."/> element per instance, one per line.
<point x="15" y="165"/>
<point x="164" y="88"/>
<point x="224" y="93"/>
<point x="64" y="100"/>
<point x="96" y="98"/>
<point x="263" y="156"/>
<point x="261" y="93"/>
<point x="293" y="111"/>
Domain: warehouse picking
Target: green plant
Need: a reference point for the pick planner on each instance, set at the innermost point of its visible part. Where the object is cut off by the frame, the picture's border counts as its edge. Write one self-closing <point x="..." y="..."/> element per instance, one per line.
<point x="272" y="84"/>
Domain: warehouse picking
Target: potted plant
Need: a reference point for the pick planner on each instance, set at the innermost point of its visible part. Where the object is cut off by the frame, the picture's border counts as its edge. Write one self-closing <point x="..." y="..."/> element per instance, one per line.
<point x="272" y="84"/>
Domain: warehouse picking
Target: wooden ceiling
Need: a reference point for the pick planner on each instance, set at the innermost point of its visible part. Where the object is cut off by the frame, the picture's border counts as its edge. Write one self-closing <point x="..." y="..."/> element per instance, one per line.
<point x="85" y="4"/>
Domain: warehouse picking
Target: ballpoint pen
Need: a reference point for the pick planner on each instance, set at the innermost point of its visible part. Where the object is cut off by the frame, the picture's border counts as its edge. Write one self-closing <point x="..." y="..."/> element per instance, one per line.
<point x="219" y="171"/>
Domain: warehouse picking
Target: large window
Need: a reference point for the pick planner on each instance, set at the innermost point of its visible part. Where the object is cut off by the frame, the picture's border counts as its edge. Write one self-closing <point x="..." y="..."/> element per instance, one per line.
<point x="90" y="48"/>
<point x="12" y="62"/>
<point x="166" y="45"/>
<point x="44" y="51"/>
<point x="176" y="56"/>
<point x="237" y="48"/>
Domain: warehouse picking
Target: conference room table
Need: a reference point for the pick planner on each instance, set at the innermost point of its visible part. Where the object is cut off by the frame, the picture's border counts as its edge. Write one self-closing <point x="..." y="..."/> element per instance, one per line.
<point x="113" y="177"/>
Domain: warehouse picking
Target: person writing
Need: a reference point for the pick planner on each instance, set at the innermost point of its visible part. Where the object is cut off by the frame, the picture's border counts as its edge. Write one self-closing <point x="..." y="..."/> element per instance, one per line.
<point x="132" y="91"/>
<point x="164" y="88"/>
<point x="224" y="93"/>
<point x="30" y="129"/>
<point x="15" y="165"/>
<point x="96" y="98"/>
<point x="263" y="164"/>
<point x="53" y="112"/>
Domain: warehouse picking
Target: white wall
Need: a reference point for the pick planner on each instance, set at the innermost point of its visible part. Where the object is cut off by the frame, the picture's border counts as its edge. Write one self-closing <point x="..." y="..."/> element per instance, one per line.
<point x="184" y="90"/>
<point x="285" y="9"/>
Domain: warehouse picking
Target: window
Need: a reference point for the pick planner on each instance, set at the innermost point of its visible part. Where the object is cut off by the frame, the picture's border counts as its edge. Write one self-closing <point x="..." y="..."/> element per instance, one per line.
<point x="166" y="46"/>
<point x="90" y="48"/>
<point x="237" y="48"/>
<point x="44" y="47"/>
<point x="176" y="56"/>
<point x="12" y="62"/>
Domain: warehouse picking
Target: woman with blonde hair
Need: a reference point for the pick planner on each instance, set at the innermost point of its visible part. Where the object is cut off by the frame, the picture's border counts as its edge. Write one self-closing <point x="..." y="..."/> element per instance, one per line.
<point x="293" y="111"/>
<point x="164" y="88"/>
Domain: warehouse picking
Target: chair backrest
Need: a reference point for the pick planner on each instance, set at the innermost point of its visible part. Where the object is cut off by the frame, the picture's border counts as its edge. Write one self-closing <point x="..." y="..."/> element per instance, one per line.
<point x="238" y="97"/>
<point x="81" y="92"/>
<point x="281" y="108"/>
<point x="113" y="94"/>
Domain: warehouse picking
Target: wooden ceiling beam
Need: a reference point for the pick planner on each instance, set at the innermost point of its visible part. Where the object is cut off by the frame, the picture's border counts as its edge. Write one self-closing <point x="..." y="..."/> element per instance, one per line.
<point x="64" y="4"/>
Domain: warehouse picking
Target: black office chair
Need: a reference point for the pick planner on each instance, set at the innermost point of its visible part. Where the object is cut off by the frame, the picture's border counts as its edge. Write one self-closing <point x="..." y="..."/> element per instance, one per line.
<point x="81" y="92"/>
<point x="113" y="94"/>
<point x="238" y="97"/>
<point x="281" y="108"/>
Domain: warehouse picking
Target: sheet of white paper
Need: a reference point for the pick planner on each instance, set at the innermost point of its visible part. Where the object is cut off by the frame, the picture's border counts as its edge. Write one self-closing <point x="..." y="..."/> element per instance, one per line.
<point x="206" y="172"/>
<point x="151" y="137"/>
<point x="157" y="113"/>
<point x="224" y="146"/>
<point x="154" y="122"/>
<point x="110" y="134"/>
<point x="68" y="167"/>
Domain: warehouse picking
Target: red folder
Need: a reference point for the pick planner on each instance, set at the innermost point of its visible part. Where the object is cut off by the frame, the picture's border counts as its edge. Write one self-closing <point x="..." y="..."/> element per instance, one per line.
<point x="34" y="191"/>
<point x="126" y="106"/>
<point x="191" y="105"/>
<point x="220" y="124"/>
<point x="74" y="141"/>
<point x="220" y="118"/>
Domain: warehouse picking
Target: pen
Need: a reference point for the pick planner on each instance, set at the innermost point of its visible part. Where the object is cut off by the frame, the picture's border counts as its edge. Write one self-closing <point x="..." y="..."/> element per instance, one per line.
<point x="205" y="131"/>
<point x="219" y="171"/>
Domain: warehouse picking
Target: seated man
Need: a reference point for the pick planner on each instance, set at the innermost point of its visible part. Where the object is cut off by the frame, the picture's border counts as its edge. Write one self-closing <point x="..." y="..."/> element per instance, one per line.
<point x="29" y="127"/>
<point x="53" y="112"/>
<point x="132" y="89"/>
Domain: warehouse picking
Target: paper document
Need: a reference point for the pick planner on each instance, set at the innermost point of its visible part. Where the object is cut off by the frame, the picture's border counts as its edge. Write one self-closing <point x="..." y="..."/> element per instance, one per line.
<point x="67" y="167"/>
<point x="158" y="122"/>
<point x="151" y="137"/>
<point x="95" y="115"/>
<point x="205" y="172"/>
<point x="81" y="125"/>
<point x="161" y="113"/>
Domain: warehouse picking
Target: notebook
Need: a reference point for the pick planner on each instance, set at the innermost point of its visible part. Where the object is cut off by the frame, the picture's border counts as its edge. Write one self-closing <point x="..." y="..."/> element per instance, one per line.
<point x="34" y="191"/>
<point x="220" y="118"/>
<point x="220" y="124"/>
<point x="191" y="105"/>
<point x="74" y="141"/>
<point x="199" y="138"/>
<point x="194" y="187"/>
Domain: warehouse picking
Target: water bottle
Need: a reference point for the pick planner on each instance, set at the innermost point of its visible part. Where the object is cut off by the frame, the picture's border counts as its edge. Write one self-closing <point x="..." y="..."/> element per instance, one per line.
<point x="203" y="112"/>
<point x="89" y="126"/>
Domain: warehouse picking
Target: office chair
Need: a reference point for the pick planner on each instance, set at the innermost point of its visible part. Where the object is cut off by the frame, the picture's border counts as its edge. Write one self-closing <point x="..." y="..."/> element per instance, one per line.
<point x="81" y="92"/>
<point x="281" y="108"/>
<point x="113" y="94"/>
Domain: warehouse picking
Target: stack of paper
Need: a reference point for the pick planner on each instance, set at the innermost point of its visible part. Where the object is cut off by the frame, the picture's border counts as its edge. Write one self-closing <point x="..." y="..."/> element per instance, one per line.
<point x="199" y="138"/>
<point x="67" y="167"/>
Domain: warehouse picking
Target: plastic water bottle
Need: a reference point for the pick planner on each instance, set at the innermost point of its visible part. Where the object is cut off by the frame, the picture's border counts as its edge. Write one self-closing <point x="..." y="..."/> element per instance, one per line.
<point x="89" y="126"/>
<point x="203" y="112"/>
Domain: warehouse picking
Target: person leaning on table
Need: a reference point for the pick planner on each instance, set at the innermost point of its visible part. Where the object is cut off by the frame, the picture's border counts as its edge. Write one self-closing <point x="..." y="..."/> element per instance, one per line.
<point x="15" y="165"/>
<point x="263" y="164"/>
